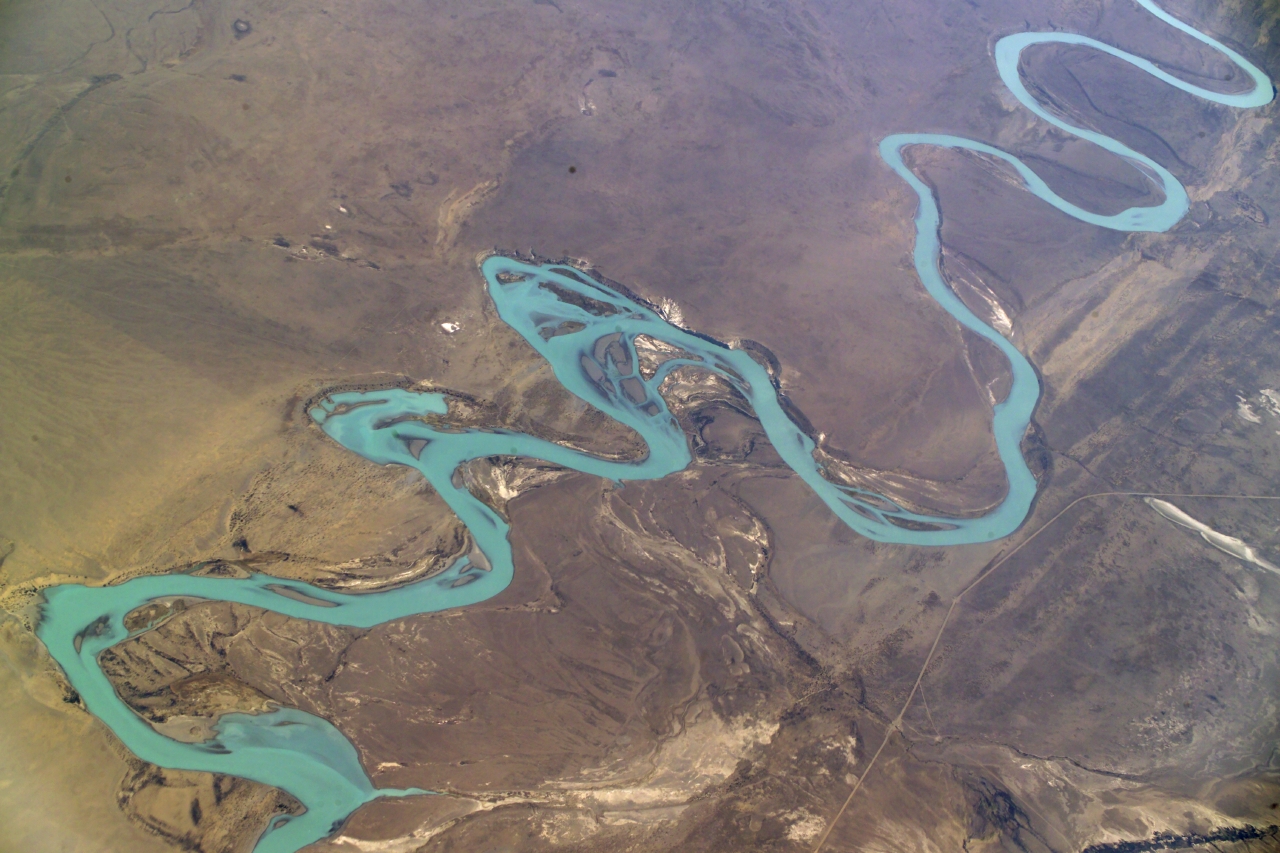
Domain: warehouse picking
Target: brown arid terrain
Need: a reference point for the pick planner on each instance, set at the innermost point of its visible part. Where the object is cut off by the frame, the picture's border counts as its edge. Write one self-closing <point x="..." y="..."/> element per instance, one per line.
<point x="211" y="213"/>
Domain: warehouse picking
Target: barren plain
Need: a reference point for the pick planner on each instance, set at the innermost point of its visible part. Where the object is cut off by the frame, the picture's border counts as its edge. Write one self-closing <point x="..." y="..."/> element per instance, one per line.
<point x="212" y="213"/>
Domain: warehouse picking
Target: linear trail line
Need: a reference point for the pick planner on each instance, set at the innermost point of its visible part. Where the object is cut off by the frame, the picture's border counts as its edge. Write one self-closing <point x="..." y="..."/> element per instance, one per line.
<point x="1007" y="427"/>
<point x="896" y="724"/>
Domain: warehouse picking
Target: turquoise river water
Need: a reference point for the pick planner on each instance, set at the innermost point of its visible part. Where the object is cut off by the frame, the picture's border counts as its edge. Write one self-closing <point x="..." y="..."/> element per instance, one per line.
<point x="587" y="332"/>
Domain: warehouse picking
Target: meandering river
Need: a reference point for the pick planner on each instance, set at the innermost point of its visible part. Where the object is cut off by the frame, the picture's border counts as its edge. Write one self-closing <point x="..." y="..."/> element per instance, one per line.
<point x="587" y="332"/>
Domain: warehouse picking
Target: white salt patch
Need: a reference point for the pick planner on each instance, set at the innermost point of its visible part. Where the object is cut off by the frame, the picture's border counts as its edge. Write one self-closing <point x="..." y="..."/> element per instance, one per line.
<point x="1271" y="401"/>
<point x="806" y="828"/>
<point x="671" y="312"/>
<point x="1221" y="541"/>
<point x="1000" y="319"/>
<point x="1245" y="412"/>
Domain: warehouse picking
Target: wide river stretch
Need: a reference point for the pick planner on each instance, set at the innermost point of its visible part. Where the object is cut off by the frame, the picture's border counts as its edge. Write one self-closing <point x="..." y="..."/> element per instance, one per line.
<point x="587" y="332"/>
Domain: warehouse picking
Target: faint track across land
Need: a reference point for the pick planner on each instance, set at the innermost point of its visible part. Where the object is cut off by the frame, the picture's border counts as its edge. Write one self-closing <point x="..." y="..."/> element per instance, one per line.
<point x="896" y="723"/>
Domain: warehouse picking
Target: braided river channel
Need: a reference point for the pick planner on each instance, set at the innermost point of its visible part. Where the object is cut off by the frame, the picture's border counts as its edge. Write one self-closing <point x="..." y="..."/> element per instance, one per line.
<point x="587" y="332"/>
